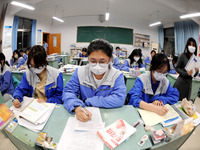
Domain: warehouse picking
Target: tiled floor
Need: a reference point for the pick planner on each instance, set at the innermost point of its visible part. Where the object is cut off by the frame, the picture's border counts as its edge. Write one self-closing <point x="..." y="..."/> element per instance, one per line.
<point x="191" y="144"/>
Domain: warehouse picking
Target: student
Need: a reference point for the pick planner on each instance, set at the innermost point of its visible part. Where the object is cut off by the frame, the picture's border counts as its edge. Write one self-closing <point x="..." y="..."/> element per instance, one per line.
<point x="83" y="54"/>
<point x="97" y="84"/>
<point x="17" y="59"/>
<point x="45" y="45"/>
<point x="6" y="80"/>
<point x="26" y="53"/>
<point x="118" y="52"/>
<point x="40" y="80"/>
<point x="164" y="52"/>
<point x="148" y="59"/>
<point x="134" y="61"/>
<point x="173" y="65"/>
<point x="115" y="62"/>
<point x="154" y="88"/>
<point x="184" y="81"/>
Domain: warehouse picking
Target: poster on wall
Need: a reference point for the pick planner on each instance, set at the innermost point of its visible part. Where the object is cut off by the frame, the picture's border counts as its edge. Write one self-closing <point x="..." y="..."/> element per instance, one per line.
<point x="39" y="37"/>
<point x="7" y="39"/>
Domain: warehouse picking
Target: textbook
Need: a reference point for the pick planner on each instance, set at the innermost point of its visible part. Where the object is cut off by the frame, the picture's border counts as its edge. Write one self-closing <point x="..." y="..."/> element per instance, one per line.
<point x="193" y="63"/>
<point x="116" y="133"/>
<point x="5" y="115"/>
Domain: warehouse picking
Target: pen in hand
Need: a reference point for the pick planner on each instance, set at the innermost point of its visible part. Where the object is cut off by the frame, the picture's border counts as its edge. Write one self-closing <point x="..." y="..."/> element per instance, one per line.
<point x="84" y="110"/>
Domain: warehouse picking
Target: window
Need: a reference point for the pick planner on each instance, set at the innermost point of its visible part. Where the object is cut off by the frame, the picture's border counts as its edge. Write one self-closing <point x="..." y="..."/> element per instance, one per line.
<point x="169" y="42"/>
<point x="24" y="33"/>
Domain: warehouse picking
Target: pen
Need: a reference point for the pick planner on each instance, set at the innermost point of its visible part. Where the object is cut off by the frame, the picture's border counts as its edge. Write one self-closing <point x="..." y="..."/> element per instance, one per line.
<point x="136" y="124"/>
<point x="84" y="110"/>
<point x="13" y="99"/>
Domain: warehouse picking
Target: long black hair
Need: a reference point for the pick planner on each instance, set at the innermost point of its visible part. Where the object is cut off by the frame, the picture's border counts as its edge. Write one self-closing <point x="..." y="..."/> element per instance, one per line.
<point x="2" y="57"/>
<point x="16" y="51"/>
<point x="186" y="51"/>
<point x="136" y="52"/>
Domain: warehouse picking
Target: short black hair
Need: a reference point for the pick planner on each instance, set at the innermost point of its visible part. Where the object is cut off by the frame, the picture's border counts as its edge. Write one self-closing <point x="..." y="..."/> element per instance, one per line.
<point x="175" y="58"/>
<point x="153" y="51"/>
<point x="84" y="50"/>
<point x="186" y="51"/>
<point x="100" y="44"/>
<point x="39" y="56"/>
<point x="158" y="61"/>
<point x="117" y="47"/>
<point x="136" y="52"/>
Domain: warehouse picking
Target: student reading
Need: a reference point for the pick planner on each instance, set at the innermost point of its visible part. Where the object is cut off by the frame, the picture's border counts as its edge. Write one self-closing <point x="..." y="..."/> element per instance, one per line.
<point x="17" y="59"/>
<point x="184" y="80"/>
<point x="97" y="84"/>
<point x="83" y="54"/>
<point x="40" y="80"/>
<point x="153" y="87"/>
<point x="148" y="59"/>
<point x="6" y="80"/>
<point x="134" y="60"/>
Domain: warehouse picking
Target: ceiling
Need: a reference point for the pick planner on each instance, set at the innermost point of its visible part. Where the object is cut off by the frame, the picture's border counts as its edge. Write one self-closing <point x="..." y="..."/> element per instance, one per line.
<point x="140" y="11"/>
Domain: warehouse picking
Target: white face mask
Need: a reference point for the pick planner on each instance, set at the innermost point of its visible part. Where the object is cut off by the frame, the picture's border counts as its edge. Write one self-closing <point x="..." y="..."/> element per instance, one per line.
<point x="136" y="58"/>
<point x="159" y="76"/>
<point x="191" y="49"/>
<point x="37" y="70"/>
<point x="16" y="56"/>
<point x="98" y="69"/>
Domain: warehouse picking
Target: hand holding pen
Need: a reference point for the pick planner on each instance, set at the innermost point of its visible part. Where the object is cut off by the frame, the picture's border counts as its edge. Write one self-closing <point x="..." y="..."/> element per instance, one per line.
<point x="82" y="114"/>
<point x="16" y="102"/>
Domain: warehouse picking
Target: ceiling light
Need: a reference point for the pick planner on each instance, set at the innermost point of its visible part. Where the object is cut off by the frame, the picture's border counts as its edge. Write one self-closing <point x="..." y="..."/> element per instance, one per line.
<point x="107" y="16"/>
<point x="155" y="24"/>
<point x="190" y="15"/>
<point x="58" y="19"/>
<point x="22" y="5"/>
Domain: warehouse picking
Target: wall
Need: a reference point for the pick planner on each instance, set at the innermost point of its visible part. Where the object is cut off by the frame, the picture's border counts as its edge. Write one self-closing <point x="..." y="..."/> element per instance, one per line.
<point x="68" y="31"/>
<point x="43" y="24"/>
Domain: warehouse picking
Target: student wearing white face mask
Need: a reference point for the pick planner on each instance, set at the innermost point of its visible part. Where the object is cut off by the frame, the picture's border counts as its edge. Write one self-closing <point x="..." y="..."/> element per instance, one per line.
<point x="97" y="84"/>
<point x="152" y="90"/>
<point x="134" y="61"/>
<point x="40" y="80"/>
<point x="184" y="80"/>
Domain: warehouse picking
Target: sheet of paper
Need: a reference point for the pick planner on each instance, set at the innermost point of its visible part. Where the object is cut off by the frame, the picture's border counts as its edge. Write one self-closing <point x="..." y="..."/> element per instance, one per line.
<point x="193" y="63"/>
<point x="75" y="140"/>
<point x="151" y="118"/>
<point x="26" y="101"/>
<point x="92" y="125"/>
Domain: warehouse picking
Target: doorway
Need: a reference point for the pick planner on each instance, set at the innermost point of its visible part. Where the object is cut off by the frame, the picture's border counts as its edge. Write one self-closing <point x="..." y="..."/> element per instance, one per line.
<point x="46" y="38"/>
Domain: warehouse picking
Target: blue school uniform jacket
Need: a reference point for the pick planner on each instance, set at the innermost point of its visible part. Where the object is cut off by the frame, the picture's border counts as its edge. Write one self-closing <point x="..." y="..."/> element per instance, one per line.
<point x="81" y="55"/>
<point x="81" y="90"/>
<point x="21" y="61"/>
<point x="53" y="87"/>
<point x="127" y="65"/>
<point x="142" y="90"/>
<point x="147" y="60"/>
<point x="6" y="81"/>
<point x="115" y="62"/>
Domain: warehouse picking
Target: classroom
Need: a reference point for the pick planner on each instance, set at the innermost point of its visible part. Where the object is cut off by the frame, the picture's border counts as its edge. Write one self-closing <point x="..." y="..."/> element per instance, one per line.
<point x="99" y="74"/>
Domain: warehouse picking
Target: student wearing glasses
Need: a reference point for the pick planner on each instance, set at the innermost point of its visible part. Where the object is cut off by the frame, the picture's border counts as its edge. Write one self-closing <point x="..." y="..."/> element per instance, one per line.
<point x="40" y="80"/>
<point x="97" y="84"/>
<point x="152" y="90"/>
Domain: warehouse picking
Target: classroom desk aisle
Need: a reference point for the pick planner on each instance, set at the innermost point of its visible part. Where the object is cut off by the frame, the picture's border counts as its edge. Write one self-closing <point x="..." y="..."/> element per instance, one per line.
<point x="24" y="139"/>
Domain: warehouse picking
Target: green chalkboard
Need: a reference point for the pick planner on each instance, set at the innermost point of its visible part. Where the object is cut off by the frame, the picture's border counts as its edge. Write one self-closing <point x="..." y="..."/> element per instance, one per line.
<point x="111" y="34"/>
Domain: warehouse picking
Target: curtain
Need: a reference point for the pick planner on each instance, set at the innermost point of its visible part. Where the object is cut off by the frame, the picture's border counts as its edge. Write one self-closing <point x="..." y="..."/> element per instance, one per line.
<point x="184" y="30"/>
<point x="14" y="32"/>
<point x="161" y="37"/>
<point x="33" y="33"/>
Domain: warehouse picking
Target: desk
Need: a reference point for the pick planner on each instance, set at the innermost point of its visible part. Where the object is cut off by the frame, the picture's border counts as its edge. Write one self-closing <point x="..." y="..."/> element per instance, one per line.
<point x="195" y="85"/>
<point x="53" y="63"/>
<point x="129" y="82"/>
<point x="24" y="139"/>
<point x="147" y="66"/>
<point x="65" y="59"/>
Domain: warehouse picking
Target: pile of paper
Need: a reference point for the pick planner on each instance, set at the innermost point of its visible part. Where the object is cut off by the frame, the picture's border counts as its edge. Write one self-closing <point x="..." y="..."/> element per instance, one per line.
<point x="79" y="135"/>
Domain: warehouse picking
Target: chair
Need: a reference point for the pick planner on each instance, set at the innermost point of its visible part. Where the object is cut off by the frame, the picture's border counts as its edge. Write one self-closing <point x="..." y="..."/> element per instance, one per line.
<point x="16" y="82"/>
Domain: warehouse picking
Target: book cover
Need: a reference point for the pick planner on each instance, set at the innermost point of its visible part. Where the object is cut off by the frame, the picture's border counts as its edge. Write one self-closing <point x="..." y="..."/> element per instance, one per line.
<point x="5" y="115"/>
<point x="116" y="133"/>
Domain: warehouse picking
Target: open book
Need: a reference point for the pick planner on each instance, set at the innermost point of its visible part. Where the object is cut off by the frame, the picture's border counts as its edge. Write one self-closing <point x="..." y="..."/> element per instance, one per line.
<point x="116" y="133"/>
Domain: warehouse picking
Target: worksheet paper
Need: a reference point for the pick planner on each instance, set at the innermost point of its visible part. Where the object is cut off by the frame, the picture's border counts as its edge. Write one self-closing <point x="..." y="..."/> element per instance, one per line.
<point x="94" y="124"/>
<point x="76" y="140"/>
<point x="151" y="118"/>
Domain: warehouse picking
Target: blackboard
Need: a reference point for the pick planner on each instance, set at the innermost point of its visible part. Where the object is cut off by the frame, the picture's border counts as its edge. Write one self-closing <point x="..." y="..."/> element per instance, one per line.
<point x="111" y="34"/>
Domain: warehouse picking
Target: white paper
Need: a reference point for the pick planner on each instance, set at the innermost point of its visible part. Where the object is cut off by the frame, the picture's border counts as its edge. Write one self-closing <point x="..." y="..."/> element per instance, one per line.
<point x="26" y="101"/>
<point x="94" y="124"/>
<point x="75" y="140"/>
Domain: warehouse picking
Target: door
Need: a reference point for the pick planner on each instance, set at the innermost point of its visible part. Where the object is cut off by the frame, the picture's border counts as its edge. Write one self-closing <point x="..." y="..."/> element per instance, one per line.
<point x="55" y="43"/>
<point x="46" y="39"/>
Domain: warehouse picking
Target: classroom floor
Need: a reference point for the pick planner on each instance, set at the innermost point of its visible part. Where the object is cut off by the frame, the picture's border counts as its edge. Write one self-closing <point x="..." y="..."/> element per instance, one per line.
<point x="192" y="143"/>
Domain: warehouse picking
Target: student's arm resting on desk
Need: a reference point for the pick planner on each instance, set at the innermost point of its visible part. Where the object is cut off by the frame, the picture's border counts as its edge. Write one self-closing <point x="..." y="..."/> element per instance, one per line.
<point x="125" y="66"/>
<point x="6" y="82"/>
<point x="116" y="63"/>
<point x="71" y="93"/>
<point x="170" y="97"/>
<point x="56" y="97"/>
<point x="147" y="60"/>
<point x="115" y="99"/>
<point x="22" y="89"/>
<point x="21" y="62"/>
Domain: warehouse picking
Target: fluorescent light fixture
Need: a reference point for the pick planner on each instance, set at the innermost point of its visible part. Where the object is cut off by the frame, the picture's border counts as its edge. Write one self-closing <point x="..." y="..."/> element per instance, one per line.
<point x="155" y="24"/>
<point x="22" y="5"/>
<point x="107" y="16"/>
<point x="56" y="18"/>
<point x="190" y="15"/>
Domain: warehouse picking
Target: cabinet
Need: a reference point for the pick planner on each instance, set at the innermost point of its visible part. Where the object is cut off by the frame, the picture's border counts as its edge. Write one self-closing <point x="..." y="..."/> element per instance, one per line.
<point x="142" y="40"/>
